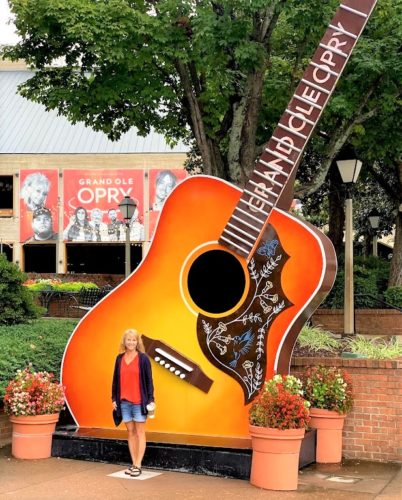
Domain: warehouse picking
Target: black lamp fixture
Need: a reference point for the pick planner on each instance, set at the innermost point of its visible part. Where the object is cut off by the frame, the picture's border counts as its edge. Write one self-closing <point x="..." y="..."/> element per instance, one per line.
<point x="127" y="208"/>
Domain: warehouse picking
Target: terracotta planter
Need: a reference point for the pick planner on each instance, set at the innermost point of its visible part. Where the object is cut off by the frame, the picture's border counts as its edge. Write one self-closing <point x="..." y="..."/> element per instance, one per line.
<point x="32" y="435"/>
<point x="275" y="461"/>
<point x="329" y="425"/>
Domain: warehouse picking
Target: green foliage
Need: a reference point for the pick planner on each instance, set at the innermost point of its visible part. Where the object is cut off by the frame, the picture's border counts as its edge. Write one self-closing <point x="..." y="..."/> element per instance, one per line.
<point x="370" y="277"/>
<point x="393" y="296"/>
<point x="375" y="348"/>
<point x="17" y="303"/>
<point x="40" y="342"/>
<point x="328" y="388"/>
<point x="317" y="339"/>
<point x="51" y="284"/>
<point x="280" y="405"/>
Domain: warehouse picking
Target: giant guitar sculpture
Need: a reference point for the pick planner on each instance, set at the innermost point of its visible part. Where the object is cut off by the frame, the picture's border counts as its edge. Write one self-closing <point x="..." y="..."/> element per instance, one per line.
<point x="229" y="279"/>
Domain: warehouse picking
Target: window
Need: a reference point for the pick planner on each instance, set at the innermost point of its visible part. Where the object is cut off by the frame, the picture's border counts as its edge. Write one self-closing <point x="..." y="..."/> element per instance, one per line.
<point x="40" y="258"/>
<point x="6" y="195"/>
<point x="100" y="259"/>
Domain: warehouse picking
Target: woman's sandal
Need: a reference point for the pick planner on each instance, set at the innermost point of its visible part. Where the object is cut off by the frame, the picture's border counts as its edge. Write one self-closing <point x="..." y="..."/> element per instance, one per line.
<point x="135" y="471"/>
<point x="129" y="470"/>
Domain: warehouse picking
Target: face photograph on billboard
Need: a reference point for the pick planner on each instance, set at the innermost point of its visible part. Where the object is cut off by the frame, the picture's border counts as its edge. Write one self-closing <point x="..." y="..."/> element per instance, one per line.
<point x="161" y="183"/>
<point x="91" y="205"/>
<point x="38" y="205"/>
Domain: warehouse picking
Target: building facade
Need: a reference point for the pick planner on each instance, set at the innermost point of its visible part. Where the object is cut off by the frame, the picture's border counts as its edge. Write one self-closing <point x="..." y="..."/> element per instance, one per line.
<point x="61" y="184"/>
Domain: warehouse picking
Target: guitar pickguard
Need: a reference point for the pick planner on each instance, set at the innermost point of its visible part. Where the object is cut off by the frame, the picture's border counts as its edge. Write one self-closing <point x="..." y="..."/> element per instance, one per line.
<point x="236" y="344"/>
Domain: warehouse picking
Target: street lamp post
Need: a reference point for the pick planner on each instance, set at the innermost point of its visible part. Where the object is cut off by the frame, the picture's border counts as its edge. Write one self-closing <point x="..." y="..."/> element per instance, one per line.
<point x="374" y="219"/>
<point x="127" y="208"/>
<point x="349" y="170"/>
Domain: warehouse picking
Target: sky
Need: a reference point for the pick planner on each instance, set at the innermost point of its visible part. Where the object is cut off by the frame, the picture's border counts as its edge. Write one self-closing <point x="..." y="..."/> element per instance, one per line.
<point x="7" y="35"/>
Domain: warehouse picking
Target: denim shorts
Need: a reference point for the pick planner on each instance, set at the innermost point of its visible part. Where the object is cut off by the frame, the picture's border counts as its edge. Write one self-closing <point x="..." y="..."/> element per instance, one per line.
<point x="131" y="412"/>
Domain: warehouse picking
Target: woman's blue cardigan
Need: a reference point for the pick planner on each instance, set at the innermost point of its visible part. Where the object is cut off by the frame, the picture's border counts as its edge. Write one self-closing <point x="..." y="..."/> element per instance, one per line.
<point x="146" y="384"/>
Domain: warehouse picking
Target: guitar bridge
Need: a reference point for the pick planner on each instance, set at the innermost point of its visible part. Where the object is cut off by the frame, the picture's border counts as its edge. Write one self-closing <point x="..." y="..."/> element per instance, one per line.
<point x="176" y="363"/>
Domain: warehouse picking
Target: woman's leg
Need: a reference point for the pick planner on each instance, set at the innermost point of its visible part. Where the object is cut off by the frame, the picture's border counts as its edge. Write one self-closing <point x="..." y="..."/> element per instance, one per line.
<point x="141" y="443"/>
<point x="132" y="440"/>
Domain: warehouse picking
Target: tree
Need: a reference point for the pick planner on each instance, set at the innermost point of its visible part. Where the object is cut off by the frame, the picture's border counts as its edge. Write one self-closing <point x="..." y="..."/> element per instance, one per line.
<point x="217" y="72"/>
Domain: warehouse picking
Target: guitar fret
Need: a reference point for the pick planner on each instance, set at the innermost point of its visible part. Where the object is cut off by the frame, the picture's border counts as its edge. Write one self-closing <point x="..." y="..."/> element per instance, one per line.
<point x="234" y="244"/>
<point x="238" y="229"/>
<point x="238" y="237"/>
<point x="317" y="87"/>
<point x="354" y="11"/>
<point x="324" y="68"/>
<point x="249" y="215"/>
<point x="335" y="51"/>
<point x="281" y="157"/>
<point x="341" y="30"/>
<point x="292" y="131"/>
<point x="253" y="207"/>
<point x="294" y="148"/>
<point x="254" y="195"/>
<point x="315" y="105"/>
<point x="263" y="188"/>
<point x="297" y="115"/>
<point x="246" y="223"/>
<point x="273" y="181"/>
<point x="274" y="167"/>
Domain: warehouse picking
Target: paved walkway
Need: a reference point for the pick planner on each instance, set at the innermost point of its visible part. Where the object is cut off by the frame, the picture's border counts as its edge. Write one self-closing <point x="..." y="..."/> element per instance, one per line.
<point x="55" y="479"/>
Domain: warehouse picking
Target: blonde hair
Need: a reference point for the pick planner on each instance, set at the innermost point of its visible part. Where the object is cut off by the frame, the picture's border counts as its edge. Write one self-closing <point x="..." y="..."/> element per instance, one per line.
<point x="130" y="331"/>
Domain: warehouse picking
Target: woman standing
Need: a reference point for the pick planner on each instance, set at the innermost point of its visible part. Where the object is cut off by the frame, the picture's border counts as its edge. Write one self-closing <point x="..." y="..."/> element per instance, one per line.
<point x="132" y="392"/>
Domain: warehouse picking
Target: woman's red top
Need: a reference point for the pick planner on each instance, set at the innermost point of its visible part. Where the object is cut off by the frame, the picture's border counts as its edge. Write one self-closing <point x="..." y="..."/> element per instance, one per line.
<point x="130" y="381"/>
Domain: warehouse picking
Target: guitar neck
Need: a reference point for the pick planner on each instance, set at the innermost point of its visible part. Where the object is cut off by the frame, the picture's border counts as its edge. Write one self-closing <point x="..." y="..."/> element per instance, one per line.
<point x="283" y="151"/>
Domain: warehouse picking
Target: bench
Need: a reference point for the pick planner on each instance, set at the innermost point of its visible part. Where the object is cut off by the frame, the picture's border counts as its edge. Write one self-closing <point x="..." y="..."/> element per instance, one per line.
<point x="88" y="297"/>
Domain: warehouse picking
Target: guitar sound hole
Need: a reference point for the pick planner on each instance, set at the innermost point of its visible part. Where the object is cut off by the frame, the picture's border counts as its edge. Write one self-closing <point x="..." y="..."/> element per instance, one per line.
<point x="216" y="281"/>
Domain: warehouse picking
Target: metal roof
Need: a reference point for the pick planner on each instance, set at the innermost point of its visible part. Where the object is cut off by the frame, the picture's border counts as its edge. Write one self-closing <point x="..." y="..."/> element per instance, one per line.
<point x="27" y="128"/>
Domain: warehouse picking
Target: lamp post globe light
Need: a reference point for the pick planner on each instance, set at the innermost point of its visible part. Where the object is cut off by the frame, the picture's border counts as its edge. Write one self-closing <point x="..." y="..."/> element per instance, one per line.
<point x="374" y="219"/>
<point x="127" y="208"/>
<point x="349" y="170"/>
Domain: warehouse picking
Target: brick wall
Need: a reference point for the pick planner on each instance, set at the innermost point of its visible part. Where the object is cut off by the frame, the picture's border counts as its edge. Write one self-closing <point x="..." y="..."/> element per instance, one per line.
<point x="373" y="430"/>
<point x="367" y="321"/>
<point x="5" y="427"/>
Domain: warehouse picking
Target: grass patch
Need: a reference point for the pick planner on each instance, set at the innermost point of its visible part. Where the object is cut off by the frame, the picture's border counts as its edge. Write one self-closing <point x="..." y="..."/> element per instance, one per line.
<point x="375" y="348"/>
<point x="40" y="342"/>
<point x="317" y="339"/>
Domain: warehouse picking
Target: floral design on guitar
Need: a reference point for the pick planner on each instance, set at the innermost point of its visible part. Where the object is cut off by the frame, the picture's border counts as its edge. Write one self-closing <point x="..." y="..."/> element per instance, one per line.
<point x="236" y="344"/>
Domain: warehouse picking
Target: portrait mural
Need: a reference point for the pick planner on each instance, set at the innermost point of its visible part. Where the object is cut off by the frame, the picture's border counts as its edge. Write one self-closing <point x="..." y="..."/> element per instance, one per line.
<point x="91" y="205"/>
<point x="161" y="183"/>
<point x="38" y="205"/>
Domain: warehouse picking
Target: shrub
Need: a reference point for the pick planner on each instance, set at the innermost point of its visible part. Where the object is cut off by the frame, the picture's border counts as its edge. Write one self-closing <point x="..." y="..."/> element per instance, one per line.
<point x="375" y="348"/>
<point x="279" y="405"/>
<point x="41" y="342"/>
<point x="329" y="388"/>
<point x="17" y="303"/>
<point x="40" y="285"/>
<point x="394" y="296"/>
<point x="33" y="393"/>
<point x="317" y="339"/>
<point x="370" y="278"/>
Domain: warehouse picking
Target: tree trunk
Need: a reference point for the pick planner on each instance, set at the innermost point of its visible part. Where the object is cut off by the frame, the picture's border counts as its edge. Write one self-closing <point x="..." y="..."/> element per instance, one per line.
<point x="395" y="275"/>
<point x="336" y="210"/>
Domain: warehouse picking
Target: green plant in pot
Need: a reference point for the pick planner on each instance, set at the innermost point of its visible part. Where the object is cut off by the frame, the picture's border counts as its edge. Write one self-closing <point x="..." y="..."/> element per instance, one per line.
<point x="330" y="393"/>
<point x="278" y="418"/>
<point x="33" y="400"/>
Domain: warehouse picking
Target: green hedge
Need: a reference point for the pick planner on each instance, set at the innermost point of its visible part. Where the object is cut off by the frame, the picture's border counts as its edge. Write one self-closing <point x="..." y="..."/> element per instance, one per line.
<point x="45" y="285"/>
<point x="41" y="342"/>
<point x="394" y="296"/>
<point x="370" y="278"/>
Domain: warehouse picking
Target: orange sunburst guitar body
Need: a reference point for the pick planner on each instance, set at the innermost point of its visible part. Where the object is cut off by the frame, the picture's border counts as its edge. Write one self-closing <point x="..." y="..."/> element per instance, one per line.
<point x="155" y="300"/>
<point x="227" y="283"/>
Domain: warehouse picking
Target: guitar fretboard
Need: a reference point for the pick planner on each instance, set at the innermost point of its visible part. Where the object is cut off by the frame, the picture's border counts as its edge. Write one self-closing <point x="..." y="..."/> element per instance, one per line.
<point x="283" y="151"/>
